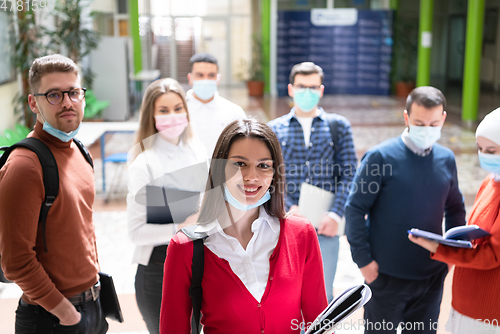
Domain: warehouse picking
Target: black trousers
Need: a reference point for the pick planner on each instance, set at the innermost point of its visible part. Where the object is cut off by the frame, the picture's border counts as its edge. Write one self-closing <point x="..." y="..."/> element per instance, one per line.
<point x="148" y="289"/>
<point x="412" y="304"/>
<point x="34" y="319"/>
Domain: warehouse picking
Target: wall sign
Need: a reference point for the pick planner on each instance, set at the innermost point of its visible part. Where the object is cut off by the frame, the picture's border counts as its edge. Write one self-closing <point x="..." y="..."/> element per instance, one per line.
<point x="354" y="48"/>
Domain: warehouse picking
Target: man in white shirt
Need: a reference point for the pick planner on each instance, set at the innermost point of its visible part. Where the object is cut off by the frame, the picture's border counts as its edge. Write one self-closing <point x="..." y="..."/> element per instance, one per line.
<point x="209" y="113"/>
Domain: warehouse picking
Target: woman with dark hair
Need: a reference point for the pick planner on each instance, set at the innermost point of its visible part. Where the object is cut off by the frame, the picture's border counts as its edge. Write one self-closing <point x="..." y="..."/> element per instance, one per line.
<point x="263" y="270"/>
<point x="165" y="147"/>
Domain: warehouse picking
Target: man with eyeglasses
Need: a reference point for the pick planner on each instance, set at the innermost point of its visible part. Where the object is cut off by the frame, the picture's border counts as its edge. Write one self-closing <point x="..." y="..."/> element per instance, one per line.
<point x="59" y="275"/>
<point x="318" y="149"/>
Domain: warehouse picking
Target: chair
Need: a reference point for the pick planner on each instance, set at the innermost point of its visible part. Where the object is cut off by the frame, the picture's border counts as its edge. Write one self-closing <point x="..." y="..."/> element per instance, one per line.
<point x="119" y="158"/>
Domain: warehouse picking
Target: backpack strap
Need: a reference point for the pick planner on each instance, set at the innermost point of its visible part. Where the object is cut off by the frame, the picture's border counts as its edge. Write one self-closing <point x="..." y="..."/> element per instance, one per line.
<point x="84" y="151"/>
<point x="49" y="171"/>
<point x="197" y="269"/>
<point x="335" y="133"/>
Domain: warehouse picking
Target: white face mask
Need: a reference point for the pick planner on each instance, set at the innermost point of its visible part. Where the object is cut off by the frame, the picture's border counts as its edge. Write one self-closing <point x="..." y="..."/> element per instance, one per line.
<point x="424" y="136"/>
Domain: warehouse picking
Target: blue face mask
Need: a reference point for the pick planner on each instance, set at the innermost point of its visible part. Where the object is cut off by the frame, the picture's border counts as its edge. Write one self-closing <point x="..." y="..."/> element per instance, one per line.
<point x="243" y="207"/>
<point x="490" y="162"/>
<point x="205" y="89"/>
<point x="306" y="99"/>
<point x="424" y="136"/>
<point x="62" y="136"/>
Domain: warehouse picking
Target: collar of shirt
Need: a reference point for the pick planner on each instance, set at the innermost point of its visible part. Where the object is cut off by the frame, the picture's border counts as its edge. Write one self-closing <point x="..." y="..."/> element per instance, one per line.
<point x="291" y="114"/>
<point x="250" y="264"/>
<point x="166" y="146"/>
<point x="193" y="100"/>
<point x="215" y="227"/>
<point x="405" y="136"/>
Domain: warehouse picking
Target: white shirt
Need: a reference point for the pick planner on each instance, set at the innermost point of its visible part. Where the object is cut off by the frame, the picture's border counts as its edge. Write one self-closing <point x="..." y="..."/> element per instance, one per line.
<point x="150" y="168"/>
<point x="306" y="123"/>
<point x="251" y="265"/>
<point x="209" y="119"/>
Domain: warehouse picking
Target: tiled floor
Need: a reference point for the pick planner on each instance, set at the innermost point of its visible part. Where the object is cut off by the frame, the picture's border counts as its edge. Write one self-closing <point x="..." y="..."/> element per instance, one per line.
<point x="374" y="119"/>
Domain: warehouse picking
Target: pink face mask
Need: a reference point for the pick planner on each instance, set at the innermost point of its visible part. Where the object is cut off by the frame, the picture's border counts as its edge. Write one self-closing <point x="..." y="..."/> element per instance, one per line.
<point x="171" y="125"/>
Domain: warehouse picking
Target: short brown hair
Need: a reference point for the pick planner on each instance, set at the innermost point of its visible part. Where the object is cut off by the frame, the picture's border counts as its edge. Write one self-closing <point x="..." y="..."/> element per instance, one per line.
<point x="49" y="64"/>
<point x="427" y="97"/>
<point x="213" y="200"/>
<point x="306" y="68"/>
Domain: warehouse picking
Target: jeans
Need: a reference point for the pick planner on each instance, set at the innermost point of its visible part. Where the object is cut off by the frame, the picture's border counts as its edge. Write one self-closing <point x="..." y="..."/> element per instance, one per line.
<point x="330" y="253"/>
<point x="34" y="319"/>
<point x="413" y="304"/>
<point x="148" y="289"/>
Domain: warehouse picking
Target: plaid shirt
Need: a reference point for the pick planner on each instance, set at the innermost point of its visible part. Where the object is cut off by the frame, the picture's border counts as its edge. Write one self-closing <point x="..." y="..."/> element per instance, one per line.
<point x="321" y="162"/>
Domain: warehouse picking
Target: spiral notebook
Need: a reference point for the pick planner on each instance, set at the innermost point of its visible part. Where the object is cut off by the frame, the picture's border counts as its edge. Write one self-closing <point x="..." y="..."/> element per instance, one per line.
<point x="340" y="309"/>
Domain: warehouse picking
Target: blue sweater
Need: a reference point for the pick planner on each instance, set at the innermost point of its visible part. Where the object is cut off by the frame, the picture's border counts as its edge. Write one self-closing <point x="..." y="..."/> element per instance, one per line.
<point x="400" y="190"/>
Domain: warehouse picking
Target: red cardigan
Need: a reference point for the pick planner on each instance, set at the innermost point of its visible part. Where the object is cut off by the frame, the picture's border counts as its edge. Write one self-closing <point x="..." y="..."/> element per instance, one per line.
<point x="295" y="286"/>
<point x="476" y="281"/>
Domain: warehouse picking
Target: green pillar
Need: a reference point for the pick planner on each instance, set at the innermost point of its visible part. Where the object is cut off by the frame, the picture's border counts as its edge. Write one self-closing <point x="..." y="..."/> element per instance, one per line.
<point x="393" y="4"/>
<point x="473" y="44"/>
<point x="266" y="43"/>
<point x="133" y="10"/>
<point x="424" y="42"/>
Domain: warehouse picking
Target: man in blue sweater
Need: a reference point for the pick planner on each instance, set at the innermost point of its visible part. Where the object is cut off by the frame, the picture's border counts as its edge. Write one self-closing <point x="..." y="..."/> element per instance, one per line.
<point x="405" y="182"/>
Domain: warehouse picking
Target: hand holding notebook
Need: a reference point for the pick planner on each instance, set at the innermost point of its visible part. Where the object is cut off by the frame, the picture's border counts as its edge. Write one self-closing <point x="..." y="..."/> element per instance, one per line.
<point x="459" y="236"/>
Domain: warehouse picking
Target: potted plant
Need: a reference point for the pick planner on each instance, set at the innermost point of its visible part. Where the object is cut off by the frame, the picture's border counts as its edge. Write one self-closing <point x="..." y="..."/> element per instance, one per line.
<point x="253" y="73"/>
<point x="73" y="33"/>
<point x="405" y="52"/>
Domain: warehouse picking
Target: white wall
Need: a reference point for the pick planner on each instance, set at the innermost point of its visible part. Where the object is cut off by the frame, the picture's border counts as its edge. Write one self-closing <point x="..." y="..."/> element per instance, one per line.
<point x="7" y="93"/>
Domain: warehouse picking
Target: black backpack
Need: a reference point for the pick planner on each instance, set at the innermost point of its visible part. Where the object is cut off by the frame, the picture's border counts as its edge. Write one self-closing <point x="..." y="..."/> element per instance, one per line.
<point x="50" y="177"/>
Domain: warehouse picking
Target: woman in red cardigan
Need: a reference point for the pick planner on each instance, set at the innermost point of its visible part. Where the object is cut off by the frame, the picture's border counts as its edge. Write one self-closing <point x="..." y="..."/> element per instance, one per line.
<point x="476" y="281"/>
<point x="263" y="271"/>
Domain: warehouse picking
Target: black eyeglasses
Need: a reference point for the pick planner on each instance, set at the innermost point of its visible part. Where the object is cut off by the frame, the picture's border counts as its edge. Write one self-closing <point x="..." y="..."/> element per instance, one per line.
<point x="57" y="96"/>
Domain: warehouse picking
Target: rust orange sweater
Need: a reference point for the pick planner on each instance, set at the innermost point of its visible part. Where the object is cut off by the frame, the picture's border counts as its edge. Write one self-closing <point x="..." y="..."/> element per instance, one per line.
<point x="70" y="265"/>
<point x="476" y="281"/>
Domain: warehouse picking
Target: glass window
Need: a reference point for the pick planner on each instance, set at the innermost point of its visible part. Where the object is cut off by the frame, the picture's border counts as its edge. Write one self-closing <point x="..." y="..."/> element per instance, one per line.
<point x="241" y="44"/>
<point x="160" y="7"/>
<point x="241" y="7"/>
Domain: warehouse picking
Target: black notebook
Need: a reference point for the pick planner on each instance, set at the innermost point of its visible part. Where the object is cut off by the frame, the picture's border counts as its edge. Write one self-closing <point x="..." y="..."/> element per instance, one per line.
<point x="169" y="206"/>
<point x="340" y="309"/>
<point x="109" y="299"/>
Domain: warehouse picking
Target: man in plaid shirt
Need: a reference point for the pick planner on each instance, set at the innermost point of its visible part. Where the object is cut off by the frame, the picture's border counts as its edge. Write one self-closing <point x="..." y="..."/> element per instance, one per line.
<point x="312" y="156"/>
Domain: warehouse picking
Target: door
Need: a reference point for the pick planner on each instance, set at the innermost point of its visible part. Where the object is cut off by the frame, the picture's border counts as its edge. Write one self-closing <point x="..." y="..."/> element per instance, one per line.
<point x="456" y="49"/>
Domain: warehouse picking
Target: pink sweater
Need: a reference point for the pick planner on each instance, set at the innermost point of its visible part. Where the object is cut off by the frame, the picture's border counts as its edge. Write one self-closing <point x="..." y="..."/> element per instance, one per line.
<point x="476" y="281"/>
<point x="295" y="286"/>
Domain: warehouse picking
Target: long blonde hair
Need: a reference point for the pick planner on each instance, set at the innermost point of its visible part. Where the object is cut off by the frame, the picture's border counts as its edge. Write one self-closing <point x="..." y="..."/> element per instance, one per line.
<point x="147" y="126"/>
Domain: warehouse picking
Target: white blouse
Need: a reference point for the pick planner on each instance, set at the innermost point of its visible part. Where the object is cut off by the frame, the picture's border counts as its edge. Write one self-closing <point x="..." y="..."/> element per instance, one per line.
<point x="154" y="166"/>
<point x="251" y="265"/>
